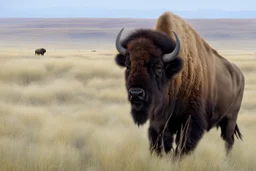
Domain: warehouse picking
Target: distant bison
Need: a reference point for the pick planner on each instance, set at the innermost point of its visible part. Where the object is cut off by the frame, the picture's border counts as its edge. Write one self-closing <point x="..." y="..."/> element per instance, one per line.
<point x="40" y="51"/>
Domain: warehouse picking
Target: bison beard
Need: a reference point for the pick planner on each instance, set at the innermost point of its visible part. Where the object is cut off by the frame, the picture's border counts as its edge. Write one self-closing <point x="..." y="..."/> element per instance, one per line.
<point x="139" y="114"/>
<point x="179" y="91"/>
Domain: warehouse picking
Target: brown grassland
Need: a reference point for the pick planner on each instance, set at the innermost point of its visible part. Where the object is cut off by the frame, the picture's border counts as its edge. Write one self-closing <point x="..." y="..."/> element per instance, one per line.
<point x="68" y="111"/>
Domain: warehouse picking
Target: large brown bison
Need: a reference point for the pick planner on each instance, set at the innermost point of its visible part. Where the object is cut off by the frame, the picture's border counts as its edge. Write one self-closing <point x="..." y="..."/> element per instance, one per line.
<point x="181" y="84"/>
<point x="40" y="51"/>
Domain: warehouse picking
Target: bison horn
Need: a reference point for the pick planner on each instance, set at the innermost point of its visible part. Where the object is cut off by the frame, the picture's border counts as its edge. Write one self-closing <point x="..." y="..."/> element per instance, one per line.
<point x="119" y="47"/>
<point x="170" y="56"/>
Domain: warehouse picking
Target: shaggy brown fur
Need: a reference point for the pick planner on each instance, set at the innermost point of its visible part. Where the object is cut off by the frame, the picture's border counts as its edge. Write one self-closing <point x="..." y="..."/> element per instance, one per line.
<point x="198" y="56"/>
<point x="187" y="96"/>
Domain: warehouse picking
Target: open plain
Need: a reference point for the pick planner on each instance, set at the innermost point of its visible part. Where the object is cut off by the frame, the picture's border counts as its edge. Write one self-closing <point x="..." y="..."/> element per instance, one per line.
<point x="68" y="110"/>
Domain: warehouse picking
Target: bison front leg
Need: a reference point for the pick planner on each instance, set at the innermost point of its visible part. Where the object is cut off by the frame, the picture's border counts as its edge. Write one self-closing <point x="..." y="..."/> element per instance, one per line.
<point x="160" y="140"/>
<point x="189" y="135"/>
<point x="155" y="141"/>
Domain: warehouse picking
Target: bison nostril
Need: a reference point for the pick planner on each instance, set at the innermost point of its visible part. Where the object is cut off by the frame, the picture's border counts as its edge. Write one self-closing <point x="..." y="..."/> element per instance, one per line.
<point x="137" y="92"/>
<point x="141" y="94"/>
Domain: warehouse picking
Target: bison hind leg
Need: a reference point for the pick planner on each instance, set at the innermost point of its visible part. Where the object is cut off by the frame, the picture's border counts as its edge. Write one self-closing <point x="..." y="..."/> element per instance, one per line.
<point x="229" y="128"/>
<point x="228" y="124"/>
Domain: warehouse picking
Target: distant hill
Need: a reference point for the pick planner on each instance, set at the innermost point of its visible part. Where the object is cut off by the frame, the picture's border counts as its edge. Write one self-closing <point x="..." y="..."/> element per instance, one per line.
<point x="90" y="32"/>
<point x="80" y="28"/>
<point x="120" y="13"/>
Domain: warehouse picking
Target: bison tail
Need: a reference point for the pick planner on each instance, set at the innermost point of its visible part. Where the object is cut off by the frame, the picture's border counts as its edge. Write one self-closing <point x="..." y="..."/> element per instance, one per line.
<point x="238" y="133"/>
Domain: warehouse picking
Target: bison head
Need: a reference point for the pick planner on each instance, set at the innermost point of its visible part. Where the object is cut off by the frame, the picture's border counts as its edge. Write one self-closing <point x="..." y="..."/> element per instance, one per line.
<point x="151" y="59"/>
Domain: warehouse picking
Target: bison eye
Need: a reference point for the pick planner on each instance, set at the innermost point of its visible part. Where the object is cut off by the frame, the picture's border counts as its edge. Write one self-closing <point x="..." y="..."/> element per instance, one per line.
<point x="158" y="69"/>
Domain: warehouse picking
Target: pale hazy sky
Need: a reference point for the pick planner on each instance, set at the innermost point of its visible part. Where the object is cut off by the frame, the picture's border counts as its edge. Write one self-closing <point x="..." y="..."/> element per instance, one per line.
<point x="135" y="4"/>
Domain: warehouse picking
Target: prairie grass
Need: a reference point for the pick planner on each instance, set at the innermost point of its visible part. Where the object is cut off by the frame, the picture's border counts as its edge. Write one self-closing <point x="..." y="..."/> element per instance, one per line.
<point x="70" y="112"/>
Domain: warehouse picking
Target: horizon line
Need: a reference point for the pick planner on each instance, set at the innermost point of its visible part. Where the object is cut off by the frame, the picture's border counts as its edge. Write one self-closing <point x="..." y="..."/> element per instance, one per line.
<point x="127" y="18"/>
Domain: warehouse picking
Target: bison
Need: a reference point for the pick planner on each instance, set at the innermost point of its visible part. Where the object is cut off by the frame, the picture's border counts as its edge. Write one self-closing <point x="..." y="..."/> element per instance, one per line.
<point x="40" y="51"/>
<point x="180" y="84"/>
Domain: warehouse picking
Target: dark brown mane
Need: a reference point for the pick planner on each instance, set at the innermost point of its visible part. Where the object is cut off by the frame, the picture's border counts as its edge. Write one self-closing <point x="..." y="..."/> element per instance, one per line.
<point x="160" y="39"/>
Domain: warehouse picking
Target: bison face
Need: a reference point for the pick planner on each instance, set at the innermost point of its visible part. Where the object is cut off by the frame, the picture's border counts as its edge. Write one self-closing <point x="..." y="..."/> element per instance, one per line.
<point x="147" y="75"/>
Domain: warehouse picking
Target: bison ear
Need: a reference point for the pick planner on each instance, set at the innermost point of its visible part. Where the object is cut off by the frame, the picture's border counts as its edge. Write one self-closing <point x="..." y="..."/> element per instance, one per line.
<point x="173" y="67"/>
<point x="120" y="60"/>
